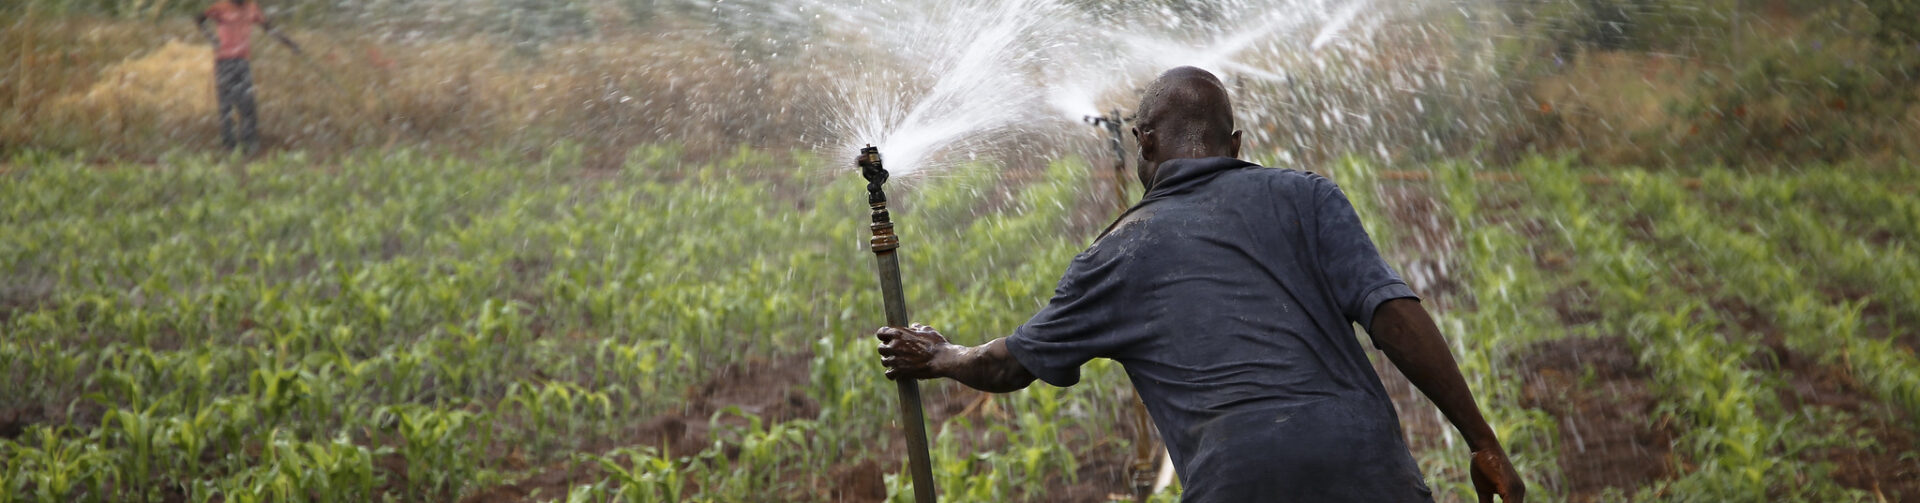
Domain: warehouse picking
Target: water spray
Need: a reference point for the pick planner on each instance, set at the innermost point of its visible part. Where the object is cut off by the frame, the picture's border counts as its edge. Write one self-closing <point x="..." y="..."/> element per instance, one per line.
<point x="884" y="243"/>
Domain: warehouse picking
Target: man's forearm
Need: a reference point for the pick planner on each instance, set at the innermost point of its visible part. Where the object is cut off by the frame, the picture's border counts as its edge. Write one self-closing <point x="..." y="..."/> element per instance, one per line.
<point x="274" y="31"/>
<point x="201" y="23"/>
<point x="988" y="367"/>
<point x="1408" y="336"/>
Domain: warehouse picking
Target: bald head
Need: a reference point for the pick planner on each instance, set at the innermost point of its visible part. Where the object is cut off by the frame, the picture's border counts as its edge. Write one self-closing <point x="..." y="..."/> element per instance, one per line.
<point x="1185" y="113"/>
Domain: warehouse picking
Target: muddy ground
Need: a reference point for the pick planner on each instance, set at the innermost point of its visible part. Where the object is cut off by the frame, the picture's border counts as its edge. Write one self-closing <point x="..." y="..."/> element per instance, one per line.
<point x="771" y="389"/>
<point x="1612" y="437"/>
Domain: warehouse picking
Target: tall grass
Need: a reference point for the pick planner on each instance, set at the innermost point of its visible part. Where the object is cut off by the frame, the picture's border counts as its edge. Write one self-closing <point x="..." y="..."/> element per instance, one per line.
<point x="138" y="88"/>
<point x="1705" y="82"/>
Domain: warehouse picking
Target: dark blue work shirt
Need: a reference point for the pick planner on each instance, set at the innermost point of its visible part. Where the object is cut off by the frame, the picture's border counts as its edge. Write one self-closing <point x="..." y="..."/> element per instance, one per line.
<point x="1229" y="294"/>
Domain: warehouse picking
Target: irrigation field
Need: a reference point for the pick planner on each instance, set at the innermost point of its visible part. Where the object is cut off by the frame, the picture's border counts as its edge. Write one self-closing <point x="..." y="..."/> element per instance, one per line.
<point x="408" y="327"/>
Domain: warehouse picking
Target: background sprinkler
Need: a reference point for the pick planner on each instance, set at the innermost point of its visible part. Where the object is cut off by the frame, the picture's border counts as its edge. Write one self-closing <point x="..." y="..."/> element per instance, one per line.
<point x="884" y="242"/>
<point x="1142" y="473"/>
<point x="1111" y="122"/>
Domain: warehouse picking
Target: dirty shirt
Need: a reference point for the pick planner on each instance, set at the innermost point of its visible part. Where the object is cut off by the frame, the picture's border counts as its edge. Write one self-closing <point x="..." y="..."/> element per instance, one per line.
<point x="1229" y="294"/>
<point x="234" y="25"/>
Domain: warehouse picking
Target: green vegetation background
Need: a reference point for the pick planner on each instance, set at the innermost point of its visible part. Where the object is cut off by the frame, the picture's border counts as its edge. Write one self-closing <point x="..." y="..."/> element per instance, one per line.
<point x="425" y="328"/>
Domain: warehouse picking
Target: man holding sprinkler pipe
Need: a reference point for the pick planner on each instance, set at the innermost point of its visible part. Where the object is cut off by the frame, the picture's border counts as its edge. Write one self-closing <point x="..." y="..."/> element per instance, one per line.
<point x="232" y="38"/>
<point x="1229" y="294"/>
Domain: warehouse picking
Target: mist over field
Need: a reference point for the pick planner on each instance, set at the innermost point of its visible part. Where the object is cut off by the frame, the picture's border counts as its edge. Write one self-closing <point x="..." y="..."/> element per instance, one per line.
<point x="616" y="250"/>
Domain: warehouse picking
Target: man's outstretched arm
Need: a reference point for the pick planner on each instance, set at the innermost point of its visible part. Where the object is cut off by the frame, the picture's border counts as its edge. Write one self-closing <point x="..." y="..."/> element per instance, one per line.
<point x="200" y="22"/>
<point x="919" y="352"/>
<point x="1403" y="330"/>
<point x="274" y="31"/>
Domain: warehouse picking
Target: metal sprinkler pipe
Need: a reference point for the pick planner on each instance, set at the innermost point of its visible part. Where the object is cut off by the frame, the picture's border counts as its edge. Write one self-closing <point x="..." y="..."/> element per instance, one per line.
<point x="884" y="243"/>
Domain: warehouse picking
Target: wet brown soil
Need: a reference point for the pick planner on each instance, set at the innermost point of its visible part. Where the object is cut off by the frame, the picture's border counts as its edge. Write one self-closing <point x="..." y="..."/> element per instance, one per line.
<point x="1594" y="388"/>
<point x="1610" y="433"/>
<point x="771" y="390"/>
<point x="22" y="299"/>
<point x="767" y="388"/>
<point x="15" y="420"/>
<point x="1883" y="462"/>
<point x="1883" y="466"/>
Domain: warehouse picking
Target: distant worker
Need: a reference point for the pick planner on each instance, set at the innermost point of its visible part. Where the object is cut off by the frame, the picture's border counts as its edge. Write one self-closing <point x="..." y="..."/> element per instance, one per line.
<point x="1229" y="294"/>
<point x="233" y="76"/>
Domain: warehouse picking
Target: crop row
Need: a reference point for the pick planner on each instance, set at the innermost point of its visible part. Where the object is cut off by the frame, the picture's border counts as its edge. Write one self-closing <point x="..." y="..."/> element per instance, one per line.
<point x="411" y="327"/>
<point x="421" y="328"/>
<point x="1667" y="285"/>
<point x="1497" y="315"/>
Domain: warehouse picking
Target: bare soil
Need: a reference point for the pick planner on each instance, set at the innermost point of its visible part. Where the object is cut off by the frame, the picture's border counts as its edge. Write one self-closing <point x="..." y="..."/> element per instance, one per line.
<point x="24" y="298"/>
<point x="771" y="390"/>
<point x="1883" y="465"/>
<point x="15" y="420"/>
<point x="80" y="414"/>
<point x="1610" y="435"/>
<point x="1877" y="467"/>
<point x="768" y="388"/>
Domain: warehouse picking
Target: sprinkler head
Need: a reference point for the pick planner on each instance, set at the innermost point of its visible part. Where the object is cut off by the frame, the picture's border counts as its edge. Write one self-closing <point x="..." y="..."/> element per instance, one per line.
<point x="870" y="168"/>
<point x="1111" y="121"/>
<point x="873" y="171"/>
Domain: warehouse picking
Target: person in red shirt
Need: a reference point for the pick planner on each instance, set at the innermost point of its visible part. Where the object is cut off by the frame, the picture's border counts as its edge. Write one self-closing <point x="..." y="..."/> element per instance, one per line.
<point x="232" y="38"/>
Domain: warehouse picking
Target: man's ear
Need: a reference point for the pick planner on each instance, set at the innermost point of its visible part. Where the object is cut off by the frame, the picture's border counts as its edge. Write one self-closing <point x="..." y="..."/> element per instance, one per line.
<point x="1148" y="143"/>
<point x="1233" y="146"/>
